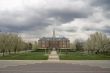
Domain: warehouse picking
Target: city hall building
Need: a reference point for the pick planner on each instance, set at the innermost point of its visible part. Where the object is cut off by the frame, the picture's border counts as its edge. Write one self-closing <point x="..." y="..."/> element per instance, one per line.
<point x="54" y="42"/>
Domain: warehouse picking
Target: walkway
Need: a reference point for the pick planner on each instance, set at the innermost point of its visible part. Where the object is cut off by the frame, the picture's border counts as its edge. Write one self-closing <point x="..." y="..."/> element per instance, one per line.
<point x="53" y="56"/>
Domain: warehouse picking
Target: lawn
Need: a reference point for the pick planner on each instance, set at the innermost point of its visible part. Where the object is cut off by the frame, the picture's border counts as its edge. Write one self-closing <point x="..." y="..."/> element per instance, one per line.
<point x="26" y="56"/>
<point x="82" y="56"/>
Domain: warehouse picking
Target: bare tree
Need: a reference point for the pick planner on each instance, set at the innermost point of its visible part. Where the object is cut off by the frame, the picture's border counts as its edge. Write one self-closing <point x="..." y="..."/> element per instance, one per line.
<point x="96" y="43"/>
<point x="11" y="42"/>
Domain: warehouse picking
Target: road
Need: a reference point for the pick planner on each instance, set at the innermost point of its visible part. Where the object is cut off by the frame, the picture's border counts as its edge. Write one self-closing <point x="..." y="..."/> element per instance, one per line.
<point x="53" y="67"/>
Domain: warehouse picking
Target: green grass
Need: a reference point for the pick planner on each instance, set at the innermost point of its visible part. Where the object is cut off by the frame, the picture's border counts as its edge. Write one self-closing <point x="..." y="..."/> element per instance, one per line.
<point x="82" y="56"/>
<point x="26" y="56"/>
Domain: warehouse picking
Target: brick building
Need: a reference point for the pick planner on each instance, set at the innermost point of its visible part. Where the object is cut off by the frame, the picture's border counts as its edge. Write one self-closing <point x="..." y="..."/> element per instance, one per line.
<point x="54" y="42"/>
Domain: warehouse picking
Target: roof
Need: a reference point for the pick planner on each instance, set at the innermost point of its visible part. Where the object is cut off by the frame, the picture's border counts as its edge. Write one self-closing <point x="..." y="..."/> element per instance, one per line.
<point x="51" y="38"/>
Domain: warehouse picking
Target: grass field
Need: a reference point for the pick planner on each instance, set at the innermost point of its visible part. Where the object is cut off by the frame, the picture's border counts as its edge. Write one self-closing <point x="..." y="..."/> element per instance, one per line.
<point x="82" y="56"/>
<point x="26" y="56"/>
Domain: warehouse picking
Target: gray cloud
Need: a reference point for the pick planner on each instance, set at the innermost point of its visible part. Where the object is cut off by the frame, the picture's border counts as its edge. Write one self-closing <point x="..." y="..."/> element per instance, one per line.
<point x="105" y="29"/>
<point x="70" y="29"/>
<point x="66" y="15"/>
<point x="89" y="29"/>
<point x="11" y="22"/>
<point x="107" y="15"/>
<point x="105" y="4"/>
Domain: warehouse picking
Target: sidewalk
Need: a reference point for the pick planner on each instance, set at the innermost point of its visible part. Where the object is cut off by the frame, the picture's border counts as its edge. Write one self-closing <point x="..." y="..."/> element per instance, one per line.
<point x="53" y="56"/>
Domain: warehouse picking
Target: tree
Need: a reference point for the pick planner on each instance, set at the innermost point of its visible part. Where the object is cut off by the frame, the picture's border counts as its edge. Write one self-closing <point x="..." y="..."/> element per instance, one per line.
<point x="96" y="43"/>
<point x="73" y="46"/>
<point x="79" y="44"/>
<point x="11" y="42"/>
<point x="30" y="46"/>
<point x="2" y="43"/>
<point x="35" y="46"/>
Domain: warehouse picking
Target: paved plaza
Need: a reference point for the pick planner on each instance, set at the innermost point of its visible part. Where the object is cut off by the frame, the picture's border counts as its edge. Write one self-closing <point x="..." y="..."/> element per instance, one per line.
<point x="32" y="66"/>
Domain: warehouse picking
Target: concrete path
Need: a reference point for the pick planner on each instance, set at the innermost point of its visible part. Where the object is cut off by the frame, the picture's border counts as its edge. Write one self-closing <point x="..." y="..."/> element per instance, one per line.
<point x="53" y="56"/>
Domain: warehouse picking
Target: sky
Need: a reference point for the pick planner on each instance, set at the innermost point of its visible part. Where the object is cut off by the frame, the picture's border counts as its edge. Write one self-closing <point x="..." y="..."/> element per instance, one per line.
<point x="74" y="19"/>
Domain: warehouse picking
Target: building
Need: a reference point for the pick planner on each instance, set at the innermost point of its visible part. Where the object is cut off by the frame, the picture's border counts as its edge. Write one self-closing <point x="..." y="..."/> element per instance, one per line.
<point x="54" y="42"/>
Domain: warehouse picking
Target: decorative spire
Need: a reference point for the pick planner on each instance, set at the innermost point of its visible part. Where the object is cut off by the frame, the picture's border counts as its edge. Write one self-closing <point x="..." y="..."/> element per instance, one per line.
<point x="54" y="33"/>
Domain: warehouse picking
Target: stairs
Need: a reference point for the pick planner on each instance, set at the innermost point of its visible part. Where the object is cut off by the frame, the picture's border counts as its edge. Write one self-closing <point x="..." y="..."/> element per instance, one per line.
<point x="53" y="56"/>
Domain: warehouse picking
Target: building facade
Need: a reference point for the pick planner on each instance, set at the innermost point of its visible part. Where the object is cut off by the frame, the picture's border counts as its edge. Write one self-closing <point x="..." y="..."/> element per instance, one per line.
<point x="54" y="42"/>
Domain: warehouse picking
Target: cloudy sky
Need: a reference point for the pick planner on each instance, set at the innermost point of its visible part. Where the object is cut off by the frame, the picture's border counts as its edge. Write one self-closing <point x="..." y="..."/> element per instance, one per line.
<point x="71" y="18"/>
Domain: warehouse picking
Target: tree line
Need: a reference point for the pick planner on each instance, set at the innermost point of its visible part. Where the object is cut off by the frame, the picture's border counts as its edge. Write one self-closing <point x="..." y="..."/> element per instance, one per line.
<point x="12" y="43"/>
<point x="97" y="43"/>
